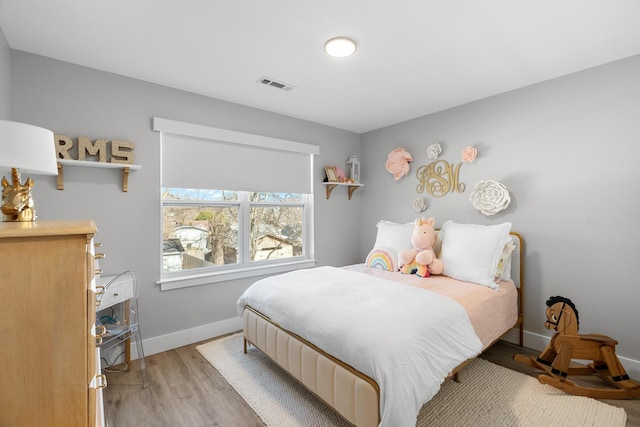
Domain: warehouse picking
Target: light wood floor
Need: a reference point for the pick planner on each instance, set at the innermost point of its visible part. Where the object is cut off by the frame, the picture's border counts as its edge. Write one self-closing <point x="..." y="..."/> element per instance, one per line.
<point x="186" y="391"/>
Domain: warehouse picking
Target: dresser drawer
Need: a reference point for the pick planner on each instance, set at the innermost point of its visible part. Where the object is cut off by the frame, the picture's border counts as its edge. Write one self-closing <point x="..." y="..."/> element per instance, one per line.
<point x="118" y="289"/>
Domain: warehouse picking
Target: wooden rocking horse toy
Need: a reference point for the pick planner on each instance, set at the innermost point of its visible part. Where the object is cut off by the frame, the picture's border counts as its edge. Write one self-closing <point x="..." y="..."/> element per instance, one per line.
<point x="566" y="344"/>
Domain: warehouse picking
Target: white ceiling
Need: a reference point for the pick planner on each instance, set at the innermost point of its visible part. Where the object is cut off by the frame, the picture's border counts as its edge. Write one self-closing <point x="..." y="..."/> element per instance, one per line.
<point x="415" y="57"/>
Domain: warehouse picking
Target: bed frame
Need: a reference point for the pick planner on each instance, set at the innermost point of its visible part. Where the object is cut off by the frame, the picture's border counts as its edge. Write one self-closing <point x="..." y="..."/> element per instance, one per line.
<point x="352" y="394"/>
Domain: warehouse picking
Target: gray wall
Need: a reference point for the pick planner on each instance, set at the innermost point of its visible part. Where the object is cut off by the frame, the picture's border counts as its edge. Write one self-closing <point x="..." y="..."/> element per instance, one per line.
<point x="5" y="78"/>
<point x="568" y="150"/>
<point x="77" y="101"/>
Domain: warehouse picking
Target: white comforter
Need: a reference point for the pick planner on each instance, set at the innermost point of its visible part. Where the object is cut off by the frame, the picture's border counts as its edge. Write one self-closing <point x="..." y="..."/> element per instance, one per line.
<point x="407" y="339"/>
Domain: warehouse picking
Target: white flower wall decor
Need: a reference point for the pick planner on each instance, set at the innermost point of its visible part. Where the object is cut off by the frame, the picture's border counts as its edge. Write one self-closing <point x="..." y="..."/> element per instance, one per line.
<point x="433" y="151"/>
<point x="490" y="197"/>
<point x="419" y="205"/>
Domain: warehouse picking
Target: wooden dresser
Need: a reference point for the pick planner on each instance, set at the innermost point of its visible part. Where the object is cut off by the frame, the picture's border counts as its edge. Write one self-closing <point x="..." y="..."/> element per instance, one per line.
<point x="49" y="364"/>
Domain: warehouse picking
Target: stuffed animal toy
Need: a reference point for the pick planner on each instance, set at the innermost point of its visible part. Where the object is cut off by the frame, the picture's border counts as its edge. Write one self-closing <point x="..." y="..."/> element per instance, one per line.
<point x="421" y="260"/>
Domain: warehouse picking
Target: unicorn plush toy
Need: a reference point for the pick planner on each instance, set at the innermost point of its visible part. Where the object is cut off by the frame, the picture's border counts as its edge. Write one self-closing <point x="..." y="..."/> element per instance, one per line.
<point x="421" y="260"/>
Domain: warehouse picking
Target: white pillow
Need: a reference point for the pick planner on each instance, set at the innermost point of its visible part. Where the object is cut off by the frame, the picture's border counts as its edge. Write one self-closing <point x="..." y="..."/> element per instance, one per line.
<point x="396" y="237"/>
<point x="503" y="270"/>
<point x="471" y="252"/>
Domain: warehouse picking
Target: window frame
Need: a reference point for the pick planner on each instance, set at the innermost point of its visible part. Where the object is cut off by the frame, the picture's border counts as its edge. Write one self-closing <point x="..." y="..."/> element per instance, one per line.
<point x="244" y="269"/>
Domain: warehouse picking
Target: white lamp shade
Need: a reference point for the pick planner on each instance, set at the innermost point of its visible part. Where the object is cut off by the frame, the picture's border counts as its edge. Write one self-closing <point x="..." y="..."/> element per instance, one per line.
<point x="28" y="148"/>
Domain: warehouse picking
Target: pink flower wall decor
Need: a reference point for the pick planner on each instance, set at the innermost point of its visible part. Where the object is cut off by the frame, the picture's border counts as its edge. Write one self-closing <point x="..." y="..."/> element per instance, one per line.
<point x="398" y="163"/>
<point x="469" y="154"/>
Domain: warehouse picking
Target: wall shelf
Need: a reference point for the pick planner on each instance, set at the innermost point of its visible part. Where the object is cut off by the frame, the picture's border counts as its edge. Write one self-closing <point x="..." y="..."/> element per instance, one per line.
<point x="124" y="166"/>
<point x="331" y="185"/>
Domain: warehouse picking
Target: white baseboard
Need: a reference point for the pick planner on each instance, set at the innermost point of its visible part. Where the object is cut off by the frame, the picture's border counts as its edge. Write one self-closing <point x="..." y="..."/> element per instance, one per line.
<point x="540" y="342"/>
<point x="204" y="332"/>
<point x="188" y="336"/>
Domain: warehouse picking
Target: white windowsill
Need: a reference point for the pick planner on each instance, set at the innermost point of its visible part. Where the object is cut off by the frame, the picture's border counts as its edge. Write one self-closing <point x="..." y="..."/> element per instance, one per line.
<point x="185" y="281"/>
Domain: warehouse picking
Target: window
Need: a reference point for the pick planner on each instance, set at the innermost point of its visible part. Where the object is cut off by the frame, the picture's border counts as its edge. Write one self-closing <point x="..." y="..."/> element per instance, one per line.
<point x="208" y="228"/>
<point x="261" y="223"/>
<point x="199" y="229"/>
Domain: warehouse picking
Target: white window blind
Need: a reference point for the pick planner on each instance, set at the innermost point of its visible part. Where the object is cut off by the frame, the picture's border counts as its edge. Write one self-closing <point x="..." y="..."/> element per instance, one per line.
<point x="195" y="156"/>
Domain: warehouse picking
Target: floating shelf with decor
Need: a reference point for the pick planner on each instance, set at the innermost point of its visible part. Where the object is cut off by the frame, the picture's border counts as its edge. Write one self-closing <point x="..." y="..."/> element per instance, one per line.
<point x="351" y="187"/>
<point x="336" y="177"/>
<point x="126" y="167"/>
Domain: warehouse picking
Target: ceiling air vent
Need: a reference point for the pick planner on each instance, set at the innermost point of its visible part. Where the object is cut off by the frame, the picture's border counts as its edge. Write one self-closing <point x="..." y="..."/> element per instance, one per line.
<point x="276" y="84"/>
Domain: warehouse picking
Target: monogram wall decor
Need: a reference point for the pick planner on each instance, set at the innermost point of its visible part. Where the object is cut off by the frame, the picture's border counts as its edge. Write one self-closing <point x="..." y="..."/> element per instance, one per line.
<point x="439" y="178"/>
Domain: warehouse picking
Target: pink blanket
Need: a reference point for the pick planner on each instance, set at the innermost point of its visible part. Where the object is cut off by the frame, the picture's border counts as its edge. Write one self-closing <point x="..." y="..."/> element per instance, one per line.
<point x="492" y="312"/>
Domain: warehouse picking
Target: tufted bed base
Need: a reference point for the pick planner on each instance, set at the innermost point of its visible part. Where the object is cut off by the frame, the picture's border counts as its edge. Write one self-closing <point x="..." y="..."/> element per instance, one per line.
<point x="352" y="394"/>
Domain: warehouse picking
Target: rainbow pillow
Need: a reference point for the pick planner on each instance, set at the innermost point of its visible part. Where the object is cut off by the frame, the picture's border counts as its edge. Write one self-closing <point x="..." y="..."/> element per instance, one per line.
<point x="383" y="259"/>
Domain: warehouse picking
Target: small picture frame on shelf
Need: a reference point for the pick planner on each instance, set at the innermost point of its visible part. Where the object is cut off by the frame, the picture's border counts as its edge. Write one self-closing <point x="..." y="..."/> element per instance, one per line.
<point x="332" y="174"/>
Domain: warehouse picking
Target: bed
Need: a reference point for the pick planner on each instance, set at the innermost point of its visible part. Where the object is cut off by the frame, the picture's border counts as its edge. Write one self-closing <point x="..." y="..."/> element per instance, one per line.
<point x="375" y="362"/>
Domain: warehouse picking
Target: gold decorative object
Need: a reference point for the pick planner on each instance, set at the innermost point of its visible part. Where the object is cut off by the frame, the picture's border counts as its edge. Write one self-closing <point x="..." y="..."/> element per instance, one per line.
<point x="17" y="203"/>
<point x="439" y="178"/>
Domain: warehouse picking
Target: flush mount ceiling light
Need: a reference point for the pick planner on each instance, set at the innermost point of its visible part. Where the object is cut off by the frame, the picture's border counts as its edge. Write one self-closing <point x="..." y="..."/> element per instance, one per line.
<point x="340" y="47"/>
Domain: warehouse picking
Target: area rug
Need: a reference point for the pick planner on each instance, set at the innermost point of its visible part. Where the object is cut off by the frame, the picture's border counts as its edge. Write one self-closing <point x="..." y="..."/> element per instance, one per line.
<point x="488" y="395"/>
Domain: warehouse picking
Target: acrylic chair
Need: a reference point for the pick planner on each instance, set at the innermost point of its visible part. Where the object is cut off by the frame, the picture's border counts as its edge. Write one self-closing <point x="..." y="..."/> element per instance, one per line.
<point x="120" y="294"/>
